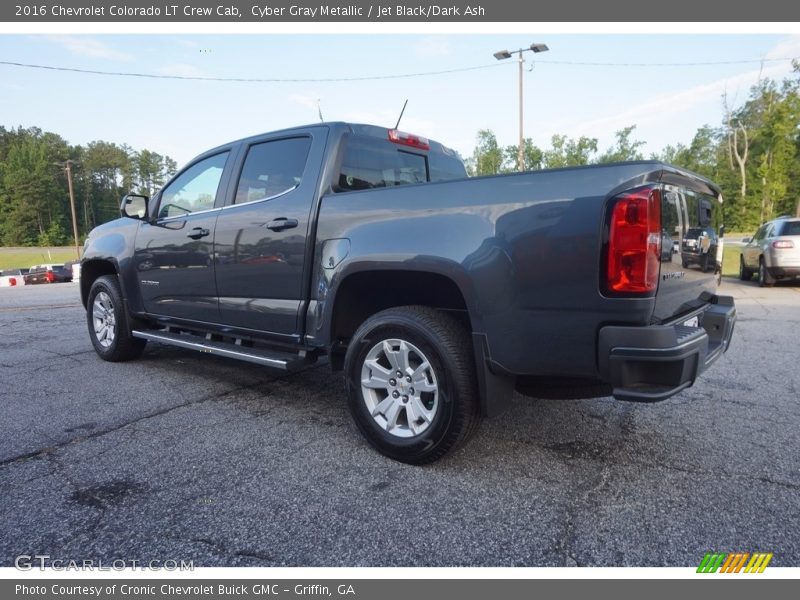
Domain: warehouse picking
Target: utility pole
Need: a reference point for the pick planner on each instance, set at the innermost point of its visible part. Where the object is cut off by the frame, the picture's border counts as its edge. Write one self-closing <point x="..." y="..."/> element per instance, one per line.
<point x="521" y="150"/>
<point x="67" y="166"/>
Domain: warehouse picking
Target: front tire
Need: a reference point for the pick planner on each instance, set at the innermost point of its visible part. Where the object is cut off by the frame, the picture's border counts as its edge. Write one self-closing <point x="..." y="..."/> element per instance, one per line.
<point x="109" y="322"/>
<point x="411" y="385"/>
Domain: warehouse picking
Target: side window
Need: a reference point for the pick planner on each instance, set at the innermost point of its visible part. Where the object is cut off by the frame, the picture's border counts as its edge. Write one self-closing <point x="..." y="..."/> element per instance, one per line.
<point x="760" y="233"/>
<point x="195" y="189"/>
<point x="272" y="168"/>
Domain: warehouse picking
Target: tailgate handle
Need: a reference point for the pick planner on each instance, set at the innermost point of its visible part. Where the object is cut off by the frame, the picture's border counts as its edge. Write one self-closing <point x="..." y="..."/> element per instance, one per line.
<point x="281" y="224"/>
<point x="197" y="233"/>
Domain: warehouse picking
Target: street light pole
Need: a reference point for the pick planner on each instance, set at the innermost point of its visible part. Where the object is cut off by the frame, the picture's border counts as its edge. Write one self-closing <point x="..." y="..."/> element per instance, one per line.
<point x="502" y="55"/>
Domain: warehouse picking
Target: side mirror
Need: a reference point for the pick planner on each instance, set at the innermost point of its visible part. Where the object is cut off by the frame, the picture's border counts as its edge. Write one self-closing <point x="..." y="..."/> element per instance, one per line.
<point x="134" y="206"/>
<point x="722" y="231"/>
<point x="746" y="240"/>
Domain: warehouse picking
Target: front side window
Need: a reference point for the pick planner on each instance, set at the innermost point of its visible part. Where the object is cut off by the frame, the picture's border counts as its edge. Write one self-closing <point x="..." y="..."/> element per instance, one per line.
<point x="195" y="189"/>
<point x="272" y="168"/>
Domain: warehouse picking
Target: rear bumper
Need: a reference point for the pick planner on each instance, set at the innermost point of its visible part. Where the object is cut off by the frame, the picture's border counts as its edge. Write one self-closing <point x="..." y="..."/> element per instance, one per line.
<point x="783" y="272"/>
<point x="647" y="364"/>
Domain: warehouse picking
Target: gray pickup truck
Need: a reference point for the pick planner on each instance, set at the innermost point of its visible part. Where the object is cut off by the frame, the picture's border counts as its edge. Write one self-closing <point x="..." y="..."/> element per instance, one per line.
<point x="437" y="295"/>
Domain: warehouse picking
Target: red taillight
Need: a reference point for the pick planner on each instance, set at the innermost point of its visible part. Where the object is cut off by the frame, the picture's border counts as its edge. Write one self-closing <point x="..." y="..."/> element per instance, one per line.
<point x="409" y="139"/>
<point x="634" y="242"/>
<point x="783" y="244"/>
<point x="51" y="277"/>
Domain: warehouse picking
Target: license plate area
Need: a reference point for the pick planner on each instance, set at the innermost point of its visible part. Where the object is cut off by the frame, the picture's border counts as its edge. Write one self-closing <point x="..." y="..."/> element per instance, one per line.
<point x="692" y="321"/>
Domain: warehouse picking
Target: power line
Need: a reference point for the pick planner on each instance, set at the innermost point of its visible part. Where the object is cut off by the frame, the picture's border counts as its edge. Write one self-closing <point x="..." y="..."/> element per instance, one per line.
<point x="245" y="79"/>
<point x="379" y="77"/>
<point x="675" y="64"/>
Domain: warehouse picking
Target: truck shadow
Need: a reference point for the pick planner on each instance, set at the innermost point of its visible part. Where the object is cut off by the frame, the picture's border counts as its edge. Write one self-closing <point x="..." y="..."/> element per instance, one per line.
<point x="532" y="430"/>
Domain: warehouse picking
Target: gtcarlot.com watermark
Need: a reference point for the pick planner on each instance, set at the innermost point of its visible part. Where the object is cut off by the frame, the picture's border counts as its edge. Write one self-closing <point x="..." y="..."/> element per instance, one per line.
<point x="29" y="562"/>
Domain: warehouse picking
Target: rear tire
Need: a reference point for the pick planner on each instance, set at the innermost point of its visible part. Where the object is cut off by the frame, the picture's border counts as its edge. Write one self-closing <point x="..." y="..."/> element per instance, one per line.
<point x="432" y="406"/>
<point x="109" y="322"/>
<point x="764" y="278"/>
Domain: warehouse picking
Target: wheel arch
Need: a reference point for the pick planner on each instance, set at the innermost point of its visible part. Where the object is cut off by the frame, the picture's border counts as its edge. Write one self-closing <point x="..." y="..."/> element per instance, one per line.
<point x="93" y="269"/>
<point x="450" y="291"/>
<point x="362" y="292"/>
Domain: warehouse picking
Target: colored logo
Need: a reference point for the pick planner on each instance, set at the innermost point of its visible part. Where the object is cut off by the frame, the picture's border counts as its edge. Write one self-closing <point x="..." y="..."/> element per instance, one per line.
<point x="734" y="562"/>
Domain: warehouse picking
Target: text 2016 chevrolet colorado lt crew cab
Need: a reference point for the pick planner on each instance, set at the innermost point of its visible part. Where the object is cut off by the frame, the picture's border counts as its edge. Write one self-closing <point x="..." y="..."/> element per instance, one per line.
<point x="438" y="295"/>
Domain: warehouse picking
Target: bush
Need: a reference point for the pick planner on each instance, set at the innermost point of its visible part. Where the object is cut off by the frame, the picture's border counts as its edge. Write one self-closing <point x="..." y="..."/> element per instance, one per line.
<point x="54" y="236"/>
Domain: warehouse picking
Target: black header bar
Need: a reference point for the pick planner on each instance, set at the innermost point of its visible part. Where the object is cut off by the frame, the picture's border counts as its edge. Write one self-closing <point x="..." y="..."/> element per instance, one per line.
<point x="309" y="11"/>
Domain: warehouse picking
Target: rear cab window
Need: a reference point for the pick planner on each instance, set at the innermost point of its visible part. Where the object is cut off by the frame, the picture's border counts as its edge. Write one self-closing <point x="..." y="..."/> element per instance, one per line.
<point x="790" y="228"/>
<point x="370" y="162"/>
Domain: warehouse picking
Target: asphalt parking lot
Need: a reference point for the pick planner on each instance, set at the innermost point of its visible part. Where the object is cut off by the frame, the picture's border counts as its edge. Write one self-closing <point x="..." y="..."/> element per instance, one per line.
<point x="190" y="457"/>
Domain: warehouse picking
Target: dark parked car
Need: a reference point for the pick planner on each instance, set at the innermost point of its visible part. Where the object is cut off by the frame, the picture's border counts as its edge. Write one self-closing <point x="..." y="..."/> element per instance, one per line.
<point x="436" y="294"/>
<point x="48" y="274"/>
<point x="700" y="248"/>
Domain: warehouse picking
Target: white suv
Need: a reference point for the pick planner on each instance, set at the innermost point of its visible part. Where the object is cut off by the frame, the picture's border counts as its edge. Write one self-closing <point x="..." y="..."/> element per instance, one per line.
<point x="773" y="252"/>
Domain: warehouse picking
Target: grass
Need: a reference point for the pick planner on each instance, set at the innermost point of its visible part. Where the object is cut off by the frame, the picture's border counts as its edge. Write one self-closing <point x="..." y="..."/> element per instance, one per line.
<point x="730" y="260"/>
<point x="20" y="258"/>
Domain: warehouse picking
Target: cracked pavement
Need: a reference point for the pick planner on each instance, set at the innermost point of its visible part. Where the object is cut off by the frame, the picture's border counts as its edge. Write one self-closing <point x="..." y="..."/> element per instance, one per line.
<point x="191" y="457"/>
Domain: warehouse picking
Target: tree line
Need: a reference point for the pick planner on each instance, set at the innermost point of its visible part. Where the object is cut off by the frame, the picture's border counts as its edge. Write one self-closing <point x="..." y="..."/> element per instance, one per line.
<point x="753" y="154"/>
<point x="34" y="195"/>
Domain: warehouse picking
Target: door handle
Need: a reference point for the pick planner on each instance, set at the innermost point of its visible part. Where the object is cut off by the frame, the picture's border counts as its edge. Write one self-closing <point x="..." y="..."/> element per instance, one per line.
<point x="197" y="233"/>
<point x="281" y="224"/>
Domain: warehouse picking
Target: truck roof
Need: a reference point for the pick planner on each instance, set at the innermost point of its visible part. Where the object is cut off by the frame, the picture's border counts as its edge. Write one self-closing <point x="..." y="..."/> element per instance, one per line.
<point x="375" y="131"/>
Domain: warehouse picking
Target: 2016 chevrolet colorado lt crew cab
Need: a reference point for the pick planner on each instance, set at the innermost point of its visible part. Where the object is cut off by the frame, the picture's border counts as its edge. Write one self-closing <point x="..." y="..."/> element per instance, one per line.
<point x="438" y="295"/>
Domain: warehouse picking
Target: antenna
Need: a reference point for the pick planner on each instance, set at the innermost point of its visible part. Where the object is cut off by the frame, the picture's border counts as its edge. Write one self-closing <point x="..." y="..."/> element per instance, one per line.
<point x="401" y="114"/>
<point x="319" y="110"/>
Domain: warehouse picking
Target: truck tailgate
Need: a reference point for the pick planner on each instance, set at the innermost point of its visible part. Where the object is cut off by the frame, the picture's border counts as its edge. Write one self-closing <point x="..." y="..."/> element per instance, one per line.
<point x="689" y="268"/>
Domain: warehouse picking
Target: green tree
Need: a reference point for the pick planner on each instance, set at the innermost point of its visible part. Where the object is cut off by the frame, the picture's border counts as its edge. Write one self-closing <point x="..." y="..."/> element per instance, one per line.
<point x="624" y="148"/>
<point x="30" y="199"/>
<point x="34" y="199"/>
<point x="532" y="156"/>
<point x="487" y="158"/>
<point x="569" y="152"/>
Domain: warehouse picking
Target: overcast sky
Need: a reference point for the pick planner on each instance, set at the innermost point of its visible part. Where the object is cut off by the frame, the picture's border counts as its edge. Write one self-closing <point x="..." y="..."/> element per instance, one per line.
<point x="184" y="118"/>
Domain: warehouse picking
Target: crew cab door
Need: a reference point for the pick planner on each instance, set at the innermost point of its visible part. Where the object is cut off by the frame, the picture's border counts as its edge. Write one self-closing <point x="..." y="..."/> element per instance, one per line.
<point x="174" y="254"/>
<point x="262" y="233"/>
